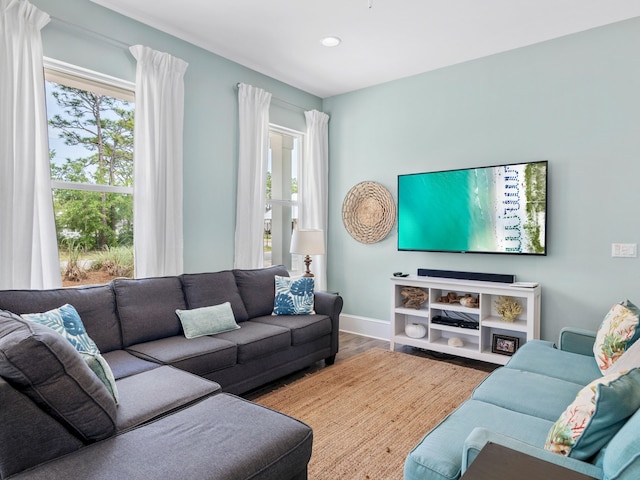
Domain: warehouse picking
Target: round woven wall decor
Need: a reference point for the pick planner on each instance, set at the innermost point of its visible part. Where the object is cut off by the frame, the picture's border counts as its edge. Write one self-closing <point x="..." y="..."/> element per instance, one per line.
<point x="368" y="212"/>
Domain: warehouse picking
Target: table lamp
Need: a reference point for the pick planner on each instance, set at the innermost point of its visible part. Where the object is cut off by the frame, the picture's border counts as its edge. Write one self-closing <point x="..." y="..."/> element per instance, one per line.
<point x="307" y="242"/>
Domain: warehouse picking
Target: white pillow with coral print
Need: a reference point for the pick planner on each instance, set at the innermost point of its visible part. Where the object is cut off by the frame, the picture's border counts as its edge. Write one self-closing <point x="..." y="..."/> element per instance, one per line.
<point x="618" y="331"/>
<point x="595" y="416"/>
<point x="628" y="360"/>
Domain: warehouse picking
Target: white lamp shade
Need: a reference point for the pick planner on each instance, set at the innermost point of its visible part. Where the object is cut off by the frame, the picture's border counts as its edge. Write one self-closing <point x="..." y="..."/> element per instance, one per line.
<point x="307" y="242"/>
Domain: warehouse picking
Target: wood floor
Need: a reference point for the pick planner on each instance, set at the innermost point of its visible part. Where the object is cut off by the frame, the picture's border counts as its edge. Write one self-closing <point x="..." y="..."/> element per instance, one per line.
<point x="352" y="344"/>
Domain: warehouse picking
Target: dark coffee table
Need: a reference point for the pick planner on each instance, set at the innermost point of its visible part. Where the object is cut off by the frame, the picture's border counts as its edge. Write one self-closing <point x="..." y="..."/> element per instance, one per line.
<point x="495" y="462"/>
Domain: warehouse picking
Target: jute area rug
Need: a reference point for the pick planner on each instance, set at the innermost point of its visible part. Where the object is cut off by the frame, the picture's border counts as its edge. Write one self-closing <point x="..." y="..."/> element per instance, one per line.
<point x="369" y="411"/>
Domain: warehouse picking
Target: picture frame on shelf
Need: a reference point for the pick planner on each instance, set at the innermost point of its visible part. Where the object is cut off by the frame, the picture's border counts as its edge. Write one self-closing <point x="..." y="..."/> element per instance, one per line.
<point x="504" y="344"/>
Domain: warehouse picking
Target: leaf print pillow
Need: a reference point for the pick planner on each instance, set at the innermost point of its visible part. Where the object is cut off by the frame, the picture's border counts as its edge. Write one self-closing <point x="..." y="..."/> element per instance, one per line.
<point x="66" y="321"/>
<point x="293" y="296"/>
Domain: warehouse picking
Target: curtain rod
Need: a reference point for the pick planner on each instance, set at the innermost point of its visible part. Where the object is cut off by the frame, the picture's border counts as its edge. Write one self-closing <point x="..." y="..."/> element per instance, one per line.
<point x="279" y="100"/>
<point x="90" y="33"/>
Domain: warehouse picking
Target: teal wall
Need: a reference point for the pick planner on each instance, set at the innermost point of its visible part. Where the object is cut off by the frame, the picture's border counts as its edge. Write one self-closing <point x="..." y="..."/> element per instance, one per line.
<point x="574" y="101"/>
<point x="211" y="119"/>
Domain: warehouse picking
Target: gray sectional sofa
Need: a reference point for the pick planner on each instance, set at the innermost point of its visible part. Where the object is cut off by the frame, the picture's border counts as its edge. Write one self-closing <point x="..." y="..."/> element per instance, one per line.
<point x="177" y="415"/>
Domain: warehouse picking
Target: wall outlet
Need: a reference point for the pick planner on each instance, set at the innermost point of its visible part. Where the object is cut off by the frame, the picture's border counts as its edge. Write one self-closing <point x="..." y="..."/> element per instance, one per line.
<point x="626" y="250"/>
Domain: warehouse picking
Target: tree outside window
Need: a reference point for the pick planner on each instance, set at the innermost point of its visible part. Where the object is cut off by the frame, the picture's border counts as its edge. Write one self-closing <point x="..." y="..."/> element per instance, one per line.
<point x="91" y="152"/>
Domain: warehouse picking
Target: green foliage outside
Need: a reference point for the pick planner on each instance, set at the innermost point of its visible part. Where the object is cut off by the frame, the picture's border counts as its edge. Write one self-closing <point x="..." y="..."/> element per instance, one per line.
<point x="117" y="261"/>
<point x="101" y="128"/>
<point x="94" y="229"/>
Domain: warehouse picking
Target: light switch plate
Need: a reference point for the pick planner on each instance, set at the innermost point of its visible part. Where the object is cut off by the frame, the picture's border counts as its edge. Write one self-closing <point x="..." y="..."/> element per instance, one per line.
<point x="625" y="250"/>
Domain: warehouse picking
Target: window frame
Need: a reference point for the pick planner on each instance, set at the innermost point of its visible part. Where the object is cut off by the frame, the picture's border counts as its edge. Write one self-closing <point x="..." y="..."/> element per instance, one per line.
<point x="85" y="79"/>
<point x="300" y="138"/>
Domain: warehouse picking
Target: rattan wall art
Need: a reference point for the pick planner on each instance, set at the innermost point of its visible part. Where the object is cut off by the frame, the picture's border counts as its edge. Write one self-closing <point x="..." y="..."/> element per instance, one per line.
<point x="368" y="212"/>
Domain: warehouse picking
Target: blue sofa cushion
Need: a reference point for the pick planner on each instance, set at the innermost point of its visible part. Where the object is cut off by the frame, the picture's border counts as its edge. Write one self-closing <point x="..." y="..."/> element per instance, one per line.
<point x="597" y="413"/>
<point x="257" y="288"/>
<point x="40" y="363"/>
<point x="527" y="392"/>
<point x="206" y="289"/>
<point x="539" y="356"/>
<point x="621" y="458"/>
<point x="438" y="456"/>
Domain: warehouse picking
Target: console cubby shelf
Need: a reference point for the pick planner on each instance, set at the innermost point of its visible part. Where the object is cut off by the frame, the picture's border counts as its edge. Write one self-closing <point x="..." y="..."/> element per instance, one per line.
<point x="477" y="343"/>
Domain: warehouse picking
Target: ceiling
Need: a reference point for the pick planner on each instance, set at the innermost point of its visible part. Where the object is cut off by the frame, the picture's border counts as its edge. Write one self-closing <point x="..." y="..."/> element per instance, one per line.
<point x="382" y="40"/>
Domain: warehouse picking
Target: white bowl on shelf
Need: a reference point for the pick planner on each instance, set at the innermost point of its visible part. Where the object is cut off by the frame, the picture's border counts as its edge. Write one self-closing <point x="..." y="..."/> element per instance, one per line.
<point x="415" y="330"/>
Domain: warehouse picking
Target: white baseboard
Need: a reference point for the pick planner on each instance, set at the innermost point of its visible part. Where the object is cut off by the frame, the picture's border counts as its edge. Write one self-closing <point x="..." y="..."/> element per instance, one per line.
<point x="367" y="327"/>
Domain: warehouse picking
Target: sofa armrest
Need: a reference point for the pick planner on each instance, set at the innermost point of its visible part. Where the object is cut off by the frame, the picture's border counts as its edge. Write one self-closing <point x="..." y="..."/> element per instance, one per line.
<point x="330" y="304"/>
<point x="577" y="340"/>
<point x="481" y="436"/>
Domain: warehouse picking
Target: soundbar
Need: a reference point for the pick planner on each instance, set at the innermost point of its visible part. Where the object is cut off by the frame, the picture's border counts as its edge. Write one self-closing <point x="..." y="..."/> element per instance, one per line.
<point x="483" y="277"/>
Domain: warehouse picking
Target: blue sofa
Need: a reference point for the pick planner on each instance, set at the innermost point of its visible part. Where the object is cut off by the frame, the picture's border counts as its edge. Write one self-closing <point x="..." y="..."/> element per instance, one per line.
<point x="516" y="406"/>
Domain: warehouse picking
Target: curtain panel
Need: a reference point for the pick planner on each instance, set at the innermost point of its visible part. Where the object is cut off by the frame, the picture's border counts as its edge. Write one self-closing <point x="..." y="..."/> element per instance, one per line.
<point x="28" y="244"/>
<point x="253" y="151"/>
<point x="314" y="186"/>
<point x="158" y="137"/>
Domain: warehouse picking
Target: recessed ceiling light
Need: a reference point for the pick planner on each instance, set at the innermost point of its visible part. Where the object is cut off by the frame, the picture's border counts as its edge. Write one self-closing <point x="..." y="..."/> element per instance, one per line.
<point x="331" y="41"/>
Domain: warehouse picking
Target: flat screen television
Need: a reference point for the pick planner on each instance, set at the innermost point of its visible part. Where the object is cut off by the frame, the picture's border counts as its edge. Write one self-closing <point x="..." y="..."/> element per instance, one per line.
<point x="496" y="209"/>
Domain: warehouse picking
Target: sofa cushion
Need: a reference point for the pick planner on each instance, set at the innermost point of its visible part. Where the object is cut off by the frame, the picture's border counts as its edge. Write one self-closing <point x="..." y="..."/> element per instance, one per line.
<point x="147" y="308"/>
<point x="540" y="356"/>
<point x="294" y="296"/>
<point x="304" y="328"/>
<point x="247" y="442"/>
<point x="207" y="320"/>
<point x="151" y="394"/>
<point x="618" y="330"/>
<point x="621" y="457"/>
<point x="257" y="288"/>
<point x="206" y="289"/>
<point x="597" y="413"/>
<point x="200" y="355"/>
<point x="255" y="340"/>
<point x="66" y="321"/>
<point x="527" y="392"/>
<point x="43" y="365"/>
<point x="124" y="364"/>
<point x="95" y="304"/>
<point x="438" y="456"/>
<point x="25" y="425"/>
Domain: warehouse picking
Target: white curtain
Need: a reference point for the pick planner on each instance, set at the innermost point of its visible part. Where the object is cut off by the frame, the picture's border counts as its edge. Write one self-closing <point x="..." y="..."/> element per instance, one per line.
<point x="157" y="187"/>
<point x="253" y="153"/>
<point x="314" y="186"/>
<point x="28" y="246"/>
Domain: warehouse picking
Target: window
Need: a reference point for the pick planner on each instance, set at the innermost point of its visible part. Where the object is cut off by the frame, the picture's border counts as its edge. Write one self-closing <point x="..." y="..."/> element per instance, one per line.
<point x="281" y="214"/>
<point x="90" y="122"/>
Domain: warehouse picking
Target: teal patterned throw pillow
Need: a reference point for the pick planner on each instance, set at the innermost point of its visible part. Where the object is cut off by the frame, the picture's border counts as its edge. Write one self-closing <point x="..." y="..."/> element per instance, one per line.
<point x="66" y="321"/>
<point x="293" y="296"/>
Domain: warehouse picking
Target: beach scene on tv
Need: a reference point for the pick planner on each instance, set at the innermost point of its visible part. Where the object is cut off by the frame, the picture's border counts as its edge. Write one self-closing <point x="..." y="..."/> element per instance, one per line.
<point x="498" y="209"/>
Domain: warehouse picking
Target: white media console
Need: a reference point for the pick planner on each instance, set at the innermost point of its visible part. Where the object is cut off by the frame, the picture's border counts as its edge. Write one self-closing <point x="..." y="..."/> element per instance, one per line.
<point x="477" y="343"/>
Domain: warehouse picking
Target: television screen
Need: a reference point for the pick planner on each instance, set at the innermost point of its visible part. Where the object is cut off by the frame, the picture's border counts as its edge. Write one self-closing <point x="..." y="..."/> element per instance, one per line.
<point x="497" y="209"/>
